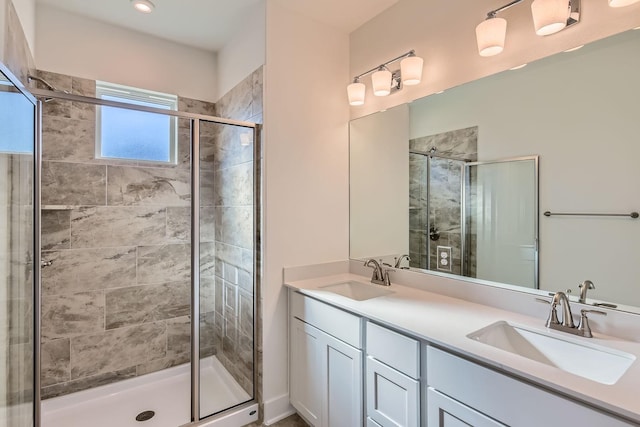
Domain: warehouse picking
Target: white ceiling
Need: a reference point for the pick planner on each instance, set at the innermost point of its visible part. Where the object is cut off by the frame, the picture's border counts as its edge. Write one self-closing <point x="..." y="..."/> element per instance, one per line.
<point x="209" y="24"/>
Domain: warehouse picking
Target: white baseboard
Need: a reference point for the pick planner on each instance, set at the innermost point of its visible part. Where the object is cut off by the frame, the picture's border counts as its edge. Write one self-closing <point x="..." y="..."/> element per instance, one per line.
<point x="277" y="409"/>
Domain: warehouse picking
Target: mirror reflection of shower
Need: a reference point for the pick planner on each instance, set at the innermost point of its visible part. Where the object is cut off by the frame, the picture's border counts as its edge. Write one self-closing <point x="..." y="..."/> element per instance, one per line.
<point x="459" y="207"/>
<point x="436" y="189"/>
<point x="436" y="211"/>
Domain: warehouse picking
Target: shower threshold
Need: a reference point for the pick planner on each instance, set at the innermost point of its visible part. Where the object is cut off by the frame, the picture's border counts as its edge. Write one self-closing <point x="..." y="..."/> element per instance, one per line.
<point x="166" y="393"/>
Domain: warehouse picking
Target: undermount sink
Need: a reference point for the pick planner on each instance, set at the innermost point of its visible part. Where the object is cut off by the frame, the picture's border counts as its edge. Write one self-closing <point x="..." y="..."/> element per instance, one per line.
<point x="356" y="290"/>
<point x="571" y="355"/>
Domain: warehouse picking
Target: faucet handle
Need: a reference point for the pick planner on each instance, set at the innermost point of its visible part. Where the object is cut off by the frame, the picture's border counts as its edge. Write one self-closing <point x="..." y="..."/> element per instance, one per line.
<point x="553" y="314"/>
<point x="583" y="327"/>
<point x="387" y="279"/>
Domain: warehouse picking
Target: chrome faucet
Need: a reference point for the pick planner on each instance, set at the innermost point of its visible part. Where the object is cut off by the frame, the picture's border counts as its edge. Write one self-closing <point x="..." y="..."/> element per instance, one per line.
<point x="567" y="324"/>
<point x="399" y="261"/>
<point x="378" y="277"/>
<point x="584" y="287"/>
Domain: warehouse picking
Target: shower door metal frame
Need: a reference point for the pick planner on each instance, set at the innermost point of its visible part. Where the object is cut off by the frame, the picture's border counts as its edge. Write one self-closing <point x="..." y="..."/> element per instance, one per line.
<point x="35" y="298"/>
<point x="41" y="94"/>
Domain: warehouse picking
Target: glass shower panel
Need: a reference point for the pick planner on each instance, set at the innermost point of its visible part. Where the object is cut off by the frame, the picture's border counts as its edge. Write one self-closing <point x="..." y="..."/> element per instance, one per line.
<point x="227" y="260"/>
<point x="418" y="210"/>
<point x="501" y="205"/>
<point x="17" y="141"/>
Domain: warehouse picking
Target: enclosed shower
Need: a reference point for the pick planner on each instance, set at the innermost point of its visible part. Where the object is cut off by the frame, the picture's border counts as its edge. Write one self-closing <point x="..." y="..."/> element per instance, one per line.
<point x="145" y="302"/>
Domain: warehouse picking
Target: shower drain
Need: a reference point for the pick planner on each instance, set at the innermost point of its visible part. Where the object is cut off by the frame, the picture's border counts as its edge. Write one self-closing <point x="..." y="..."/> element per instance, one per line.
<point x="145" y="416"/>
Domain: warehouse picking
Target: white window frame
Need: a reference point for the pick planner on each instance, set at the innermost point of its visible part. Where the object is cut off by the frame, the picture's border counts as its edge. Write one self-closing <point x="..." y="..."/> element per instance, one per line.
<point x="128" y="93"/>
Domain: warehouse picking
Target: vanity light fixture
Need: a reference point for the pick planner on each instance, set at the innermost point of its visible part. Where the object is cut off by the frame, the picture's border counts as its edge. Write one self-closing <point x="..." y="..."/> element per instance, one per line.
<point x="622" y="3"/>
<point x="356" y="91"/>
<point x="491" y="33"/>
<point x="381" y="81"/>
<point x="384" y="81"/>
<point x="144" y="6"/>
<point x="549" y="17"/>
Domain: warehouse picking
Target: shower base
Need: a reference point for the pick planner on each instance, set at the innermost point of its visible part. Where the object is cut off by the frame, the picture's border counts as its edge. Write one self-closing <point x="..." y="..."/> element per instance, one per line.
<point x="167" y="393"/>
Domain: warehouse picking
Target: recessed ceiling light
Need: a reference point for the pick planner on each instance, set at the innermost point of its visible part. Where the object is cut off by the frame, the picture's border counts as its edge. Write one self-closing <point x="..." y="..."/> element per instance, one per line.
<point x="574" y="48"/>
<point x="518" y="67"/>
<point x="438" y="93"/>
<point x="144" y="6"/>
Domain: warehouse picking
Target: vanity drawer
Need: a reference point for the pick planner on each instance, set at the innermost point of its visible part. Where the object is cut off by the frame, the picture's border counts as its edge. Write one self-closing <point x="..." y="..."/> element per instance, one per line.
<point x="394" y="349"/>
<point x="338" y="323"/>
<point x="505" y="399"/>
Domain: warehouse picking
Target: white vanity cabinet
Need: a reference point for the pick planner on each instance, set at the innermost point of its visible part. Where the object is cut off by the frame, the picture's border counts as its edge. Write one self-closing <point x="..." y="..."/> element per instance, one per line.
<point x="326" y="363"/>
<point x="464" y="393"/>
<point x="392" y="378"/>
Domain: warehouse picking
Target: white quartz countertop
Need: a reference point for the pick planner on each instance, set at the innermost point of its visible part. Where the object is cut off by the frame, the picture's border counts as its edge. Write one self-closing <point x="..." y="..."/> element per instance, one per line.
<point x="447" y="321"/>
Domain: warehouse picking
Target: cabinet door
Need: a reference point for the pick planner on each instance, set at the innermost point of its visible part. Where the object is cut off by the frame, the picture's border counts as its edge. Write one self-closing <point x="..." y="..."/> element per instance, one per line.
<point x="307" y="371"/>
<point x="443" y="411"/>
<point x="392" y="397"/>
<point x="343" y="395"/>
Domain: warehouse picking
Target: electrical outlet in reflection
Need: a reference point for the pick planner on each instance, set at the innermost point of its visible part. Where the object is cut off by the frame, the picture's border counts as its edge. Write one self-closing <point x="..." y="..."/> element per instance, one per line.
<point x="444" y="258"/>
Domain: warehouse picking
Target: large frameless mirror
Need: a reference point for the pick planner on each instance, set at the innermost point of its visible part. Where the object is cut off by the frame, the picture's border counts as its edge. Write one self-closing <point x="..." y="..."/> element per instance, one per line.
<point x="576" y="112"/>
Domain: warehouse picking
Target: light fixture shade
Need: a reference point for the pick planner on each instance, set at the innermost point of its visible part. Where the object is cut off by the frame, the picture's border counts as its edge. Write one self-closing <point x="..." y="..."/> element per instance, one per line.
<point x="622" y="3"/>
<point x="355" y="91"/>
<point x="144" y="6"/>
<point x="411" y="70"/>
<point x="490" y="35"/>
<point x="381" y="81"/>
<point x="549" y="16"/>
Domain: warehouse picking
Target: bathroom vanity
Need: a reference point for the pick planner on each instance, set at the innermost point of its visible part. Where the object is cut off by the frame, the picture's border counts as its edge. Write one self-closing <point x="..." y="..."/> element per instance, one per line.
<point x="364" y="354"/>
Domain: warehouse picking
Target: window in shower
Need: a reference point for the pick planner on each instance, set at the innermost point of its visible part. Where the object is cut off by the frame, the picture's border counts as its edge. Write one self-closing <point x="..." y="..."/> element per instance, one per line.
<point x="16" y="120"/>
<point x="135" y="135"/>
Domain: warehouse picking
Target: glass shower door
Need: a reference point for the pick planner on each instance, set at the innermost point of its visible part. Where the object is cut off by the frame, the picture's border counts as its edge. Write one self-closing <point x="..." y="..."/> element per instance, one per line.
<point x="502" y="221"/>
<point x="17" y="160"/>
<point x="444" y="226"/>
<point x="227" y="230"/>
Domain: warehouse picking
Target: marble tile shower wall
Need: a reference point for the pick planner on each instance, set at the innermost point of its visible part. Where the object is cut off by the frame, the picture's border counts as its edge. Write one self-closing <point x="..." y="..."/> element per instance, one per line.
<point x="116" y="298"/>
<point x="435" y="196"/>
<point x="234" y="201"/>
